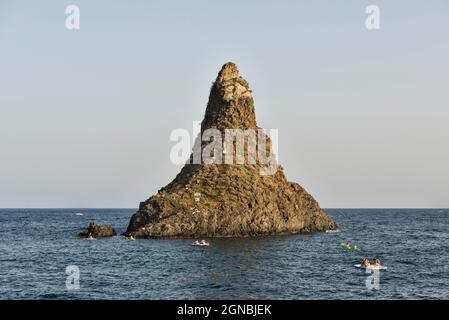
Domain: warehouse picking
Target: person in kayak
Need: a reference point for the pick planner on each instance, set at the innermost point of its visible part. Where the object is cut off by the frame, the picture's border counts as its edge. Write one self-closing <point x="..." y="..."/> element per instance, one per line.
<point x="345" y="245"/>
<point x="365" y="262"/>
<point x="376" y="262"/>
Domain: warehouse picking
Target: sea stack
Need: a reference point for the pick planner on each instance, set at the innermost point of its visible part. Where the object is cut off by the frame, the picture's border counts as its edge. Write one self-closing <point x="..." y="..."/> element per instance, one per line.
<point x="229" y="199"/>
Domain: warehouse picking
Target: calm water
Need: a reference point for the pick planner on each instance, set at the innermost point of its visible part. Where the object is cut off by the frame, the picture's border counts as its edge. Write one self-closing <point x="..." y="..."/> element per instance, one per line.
<point x="36" y="246"/>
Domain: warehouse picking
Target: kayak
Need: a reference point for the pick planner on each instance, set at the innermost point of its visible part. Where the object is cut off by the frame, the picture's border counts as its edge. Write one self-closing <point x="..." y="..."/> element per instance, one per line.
<point x="370" y="267"/>
<point x="349" y="248"/>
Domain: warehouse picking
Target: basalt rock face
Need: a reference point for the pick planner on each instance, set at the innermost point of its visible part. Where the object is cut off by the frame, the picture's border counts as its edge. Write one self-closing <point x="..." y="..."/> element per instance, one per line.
<point x="229" y="200"/>
<point x="98" y="231"/>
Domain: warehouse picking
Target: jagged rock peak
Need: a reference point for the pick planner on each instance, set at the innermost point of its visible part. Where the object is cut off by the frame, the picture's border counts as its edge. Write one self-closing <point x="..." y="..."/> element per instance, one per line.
<point x="231" y="104"/>
<point x="229" y="200"/>
<point x="229" y="71"/>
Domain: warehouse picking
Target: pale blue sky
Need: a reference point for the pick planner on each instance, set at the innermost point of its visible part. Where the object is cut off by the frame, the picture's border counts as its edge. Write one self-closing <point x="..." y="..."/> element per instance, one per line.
<point x="85" y="116"/>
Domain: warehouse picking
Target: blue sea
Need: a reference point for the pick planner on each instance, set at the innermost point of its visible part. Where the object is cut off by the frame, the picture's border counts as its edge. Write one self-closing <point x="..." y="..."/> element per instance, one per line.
<point x="36" y="247"/>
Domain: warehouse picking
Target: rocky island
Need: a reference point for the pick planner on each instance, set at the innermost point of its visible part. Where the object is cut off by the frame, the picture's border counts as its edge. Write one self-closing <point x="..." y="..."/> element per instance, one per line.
<point x="229" y="200"/>
<point x="97" y="231"/>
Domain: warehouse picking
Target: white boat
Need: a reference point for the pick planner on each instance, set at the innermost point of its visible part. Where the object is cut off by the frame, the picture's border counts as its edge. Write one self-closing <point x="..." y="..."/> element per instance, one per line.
<point x="370" y="267"/>
<point x="79" y="214"/>
<point x="198" y="244"/>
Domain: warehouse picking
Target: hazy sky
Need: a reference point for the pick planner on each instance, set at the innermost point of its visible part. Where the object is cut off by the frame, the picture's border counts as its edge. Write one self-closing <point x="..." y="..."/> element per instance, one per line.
<point x="85" y="116"/>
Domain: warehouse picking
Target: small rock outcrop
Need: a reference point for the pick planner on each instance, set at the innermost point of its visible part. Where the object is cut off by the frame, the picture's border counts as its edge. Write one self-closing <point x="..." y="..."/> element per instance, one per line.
<point x="229" y="200"/>
<point x="98" y="231"/>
